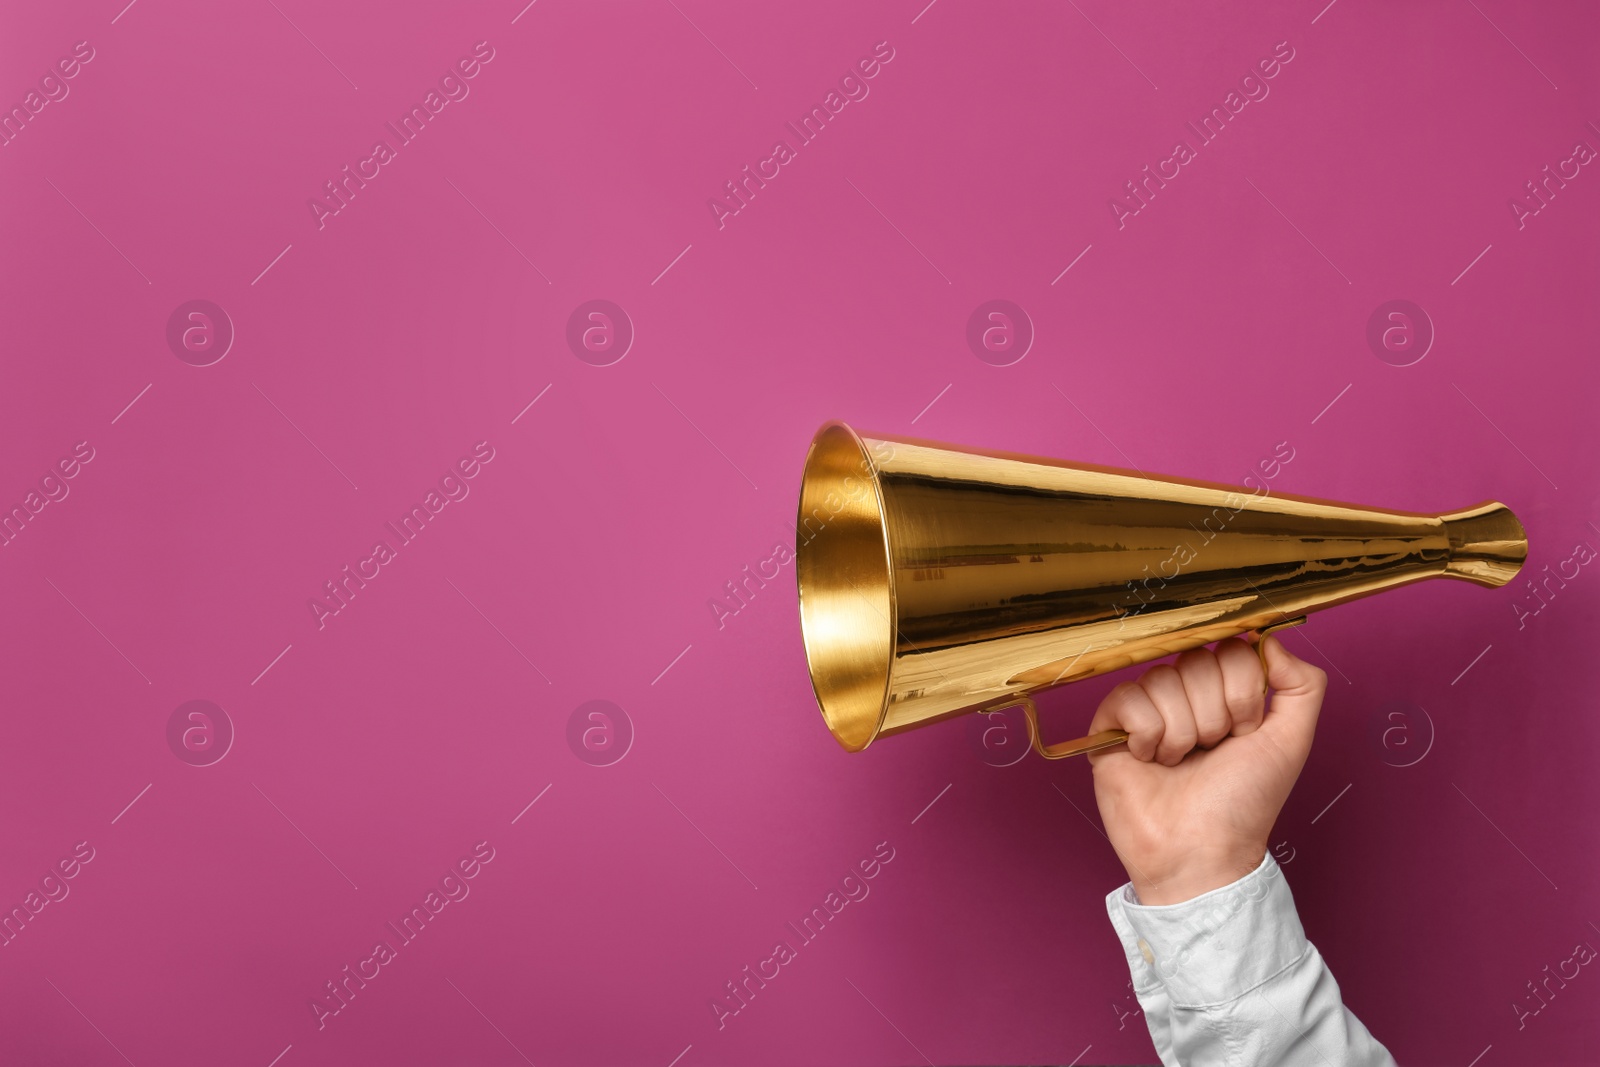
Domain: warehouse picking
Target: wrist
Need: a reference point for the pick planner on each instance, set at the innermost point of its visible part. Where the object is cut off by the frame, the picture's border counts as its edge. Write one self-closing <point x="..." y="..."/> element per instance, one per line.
<point x="1198" y="873"/>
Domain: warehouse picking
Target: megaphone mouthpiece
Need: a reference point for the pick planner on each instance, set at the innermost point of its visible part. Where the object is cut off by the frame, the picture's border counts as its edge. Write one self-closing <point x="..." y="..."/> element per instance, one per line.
<point x="1487" y="544"/>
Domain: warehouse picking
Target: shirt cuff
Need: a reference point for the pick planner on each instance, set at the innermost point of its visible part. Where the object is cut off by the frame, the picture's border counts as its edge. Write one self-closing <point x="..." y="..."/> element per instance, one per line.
<point x="1217" y="947"/>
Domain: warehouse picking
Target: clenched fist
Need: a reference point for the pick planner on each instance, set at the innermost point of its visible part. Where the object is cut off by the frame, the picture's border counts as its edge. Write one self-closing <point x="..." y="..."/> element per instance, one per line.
<point x="1189" y="801"/>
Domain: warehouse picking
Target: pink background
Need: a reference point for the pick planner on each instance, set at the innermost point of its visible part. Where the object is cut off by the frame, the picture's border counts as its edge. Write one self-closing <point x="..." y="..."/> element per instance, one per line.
<point x="373" y="754"/>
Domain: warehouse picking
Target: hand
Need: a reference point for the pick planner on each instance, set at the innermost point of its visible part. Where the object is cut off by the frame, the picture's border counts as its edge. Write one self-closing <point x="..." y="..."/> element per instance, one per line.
<point x="1189" y="801"/>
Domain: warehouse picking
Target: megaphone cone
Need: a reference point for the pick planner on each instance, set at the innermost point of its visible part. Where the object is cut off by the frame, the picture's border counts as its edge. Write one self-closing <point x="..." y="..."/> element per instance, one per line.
<point x="936" y="579"/>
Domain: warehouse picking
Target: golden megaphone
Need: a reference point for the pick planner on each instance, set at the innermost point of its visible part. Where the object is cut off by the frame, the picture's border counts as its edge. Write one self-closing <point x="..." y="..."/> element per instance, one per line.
<point x="936" y="579"/>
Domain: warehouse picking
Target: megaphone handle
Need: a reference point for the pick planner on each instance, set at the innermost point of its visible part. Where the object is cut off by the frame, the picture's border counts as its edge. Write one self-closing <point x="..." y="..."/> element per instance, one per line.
<point x="1108" y="738"/>
<point x="1063" y="749"/>
<point x="1261" y="648"/>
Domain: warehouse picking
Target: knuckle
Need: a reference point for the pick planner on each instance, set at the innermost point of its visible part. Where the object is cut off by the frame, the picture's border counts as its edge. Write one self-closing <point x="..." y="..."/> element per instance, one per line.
<point x="1246" y="703"/>
<point x="1233" y="650"/>
<point x="1175" y="745"/>
<point x="1160" y="672"/>
<point x="1144" y="737"/>
<point x="1117" y="698"/>
<point x="1149" y="732"/>
<point x="1121" y="691"/>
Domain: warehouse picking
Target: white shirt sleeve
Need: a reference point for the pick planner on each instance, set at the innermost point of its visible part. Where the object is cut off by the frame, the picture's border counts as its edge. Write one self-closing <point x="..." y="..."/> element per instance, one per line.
<point x="1228" y="979"/>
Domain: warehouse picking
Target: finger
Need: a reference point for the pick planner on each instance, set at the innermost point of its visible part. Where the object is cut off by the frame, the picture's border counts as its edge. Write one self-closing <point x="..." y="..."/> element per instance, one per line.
<point x="1202" y="682"/>
<point x="1128" y="708"/>
<point x="1242" y="684"/>
<point x="1298" y="688"/>
<point x="1165" y="689"/>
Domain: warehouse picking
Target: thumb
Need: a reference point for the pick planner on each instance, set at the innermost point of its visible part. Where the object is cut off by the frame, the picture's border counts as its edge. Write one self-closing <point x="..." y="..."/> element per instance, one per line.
<point x="1298" y="688"/>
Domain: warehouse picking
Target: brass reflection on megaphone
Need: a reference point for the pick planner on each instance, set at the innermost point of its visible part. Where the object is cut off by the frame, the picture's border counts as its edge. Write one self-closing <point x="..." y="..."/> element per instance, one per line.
<point x="936" y="579"/>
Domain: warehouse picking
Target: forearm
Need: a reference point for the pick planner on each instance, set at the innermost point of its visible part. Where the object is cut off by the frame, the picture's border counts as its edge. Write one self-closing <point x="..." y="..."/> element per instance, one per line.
<point x="1228" y="978"/>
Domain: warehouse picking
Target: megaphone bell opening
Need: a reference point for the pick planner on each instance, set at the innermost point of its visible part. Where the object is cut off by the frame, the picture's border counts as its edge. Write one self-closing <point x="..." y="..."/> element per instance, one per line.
<point x="847" y="606"/>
